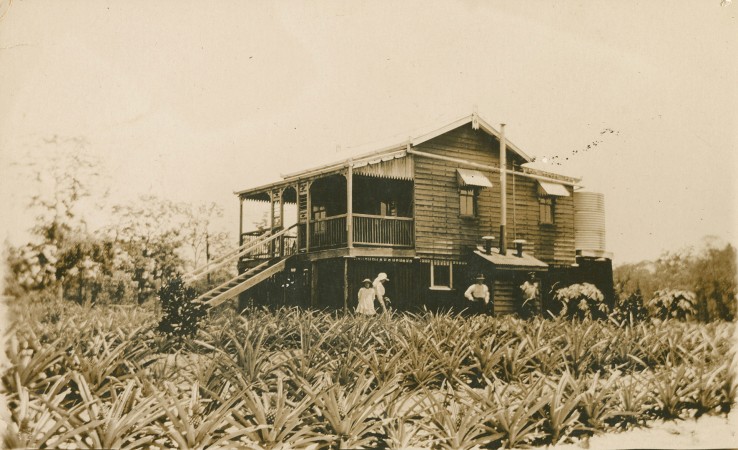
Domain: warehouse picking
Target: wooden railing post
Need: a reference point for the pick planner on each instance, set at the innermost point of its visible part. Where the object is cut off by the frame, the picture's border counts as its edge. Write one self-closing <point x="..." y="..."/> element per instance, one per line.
<point x="240" y="221"/>
<point x="345" y="285"/>
<point x="308" y="231"/>
<point x="350" y="205"/>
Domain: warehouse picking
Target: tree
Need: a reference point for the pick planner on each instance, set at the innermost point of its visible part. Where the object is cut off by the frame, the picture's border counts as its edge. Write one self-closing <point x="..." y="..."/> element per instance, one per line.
<point x="148" y="230"/>
<point x="715" y="283"/>
<point x="709" y="272"/>
<point x="196" y="232"/>
<point x="148" y="242"/>
<point x="64" y="180"/>
<point x="204" y="241"/>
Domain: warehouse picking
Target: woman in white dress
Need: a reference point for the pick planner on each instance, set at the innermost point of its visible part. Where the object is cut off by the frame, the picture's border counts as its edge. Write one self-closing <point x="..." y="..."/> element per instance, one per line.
<point x="379" y="289"/>
<point x="366" y="298"/>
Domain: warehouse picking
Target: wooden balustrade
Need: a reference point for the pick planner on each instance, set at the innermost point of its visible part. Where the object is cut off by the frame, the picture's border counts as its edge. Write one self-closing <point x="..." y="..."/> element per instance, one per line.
<point x="285" y="245"/>
<point x="368" y="230"/>
<point x="328" y="232"/>
<point x="383" y="230"/>
<point x="261" y="251"/>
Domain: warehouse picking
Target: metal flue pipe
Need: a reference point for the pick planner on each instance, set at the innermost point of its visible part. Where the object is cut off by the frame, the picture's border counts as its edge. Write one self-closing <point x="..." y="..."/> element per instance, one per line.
<point x="503" y="190"/>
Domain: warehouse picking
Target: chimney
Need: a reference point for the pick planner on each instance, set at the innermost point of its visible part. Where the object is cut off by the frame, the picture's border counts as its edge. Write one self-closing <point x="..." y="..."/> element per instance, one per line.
<point x="488" y="243"/>
<point x="519" y="247"/>
<point x="503" y="190"/>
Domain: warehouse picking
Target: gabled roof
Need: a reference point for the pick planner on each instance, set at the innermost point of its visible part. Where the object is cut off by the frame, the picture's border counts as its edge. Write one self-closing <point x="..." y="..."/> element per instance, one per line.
<point x="423" y="136"/>
<point x="392" y="150"/>
<point x="477" y="123"/>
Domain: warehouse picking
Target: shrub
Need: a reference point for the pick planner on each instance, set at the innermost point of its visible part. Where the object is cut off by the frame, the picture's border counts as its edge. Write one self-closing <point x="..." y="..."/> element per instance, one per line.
<point x="582" y="301"/>
<point x="630" y="308"/>
<point x="181" y="313"/>
<point x="672" y="303"/>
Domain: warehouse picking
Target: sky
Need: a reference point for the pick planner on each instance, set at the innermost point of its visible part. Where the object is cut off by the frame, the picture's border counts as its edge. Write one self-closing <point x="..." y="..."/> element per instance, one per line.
<point x="192" y="102"/>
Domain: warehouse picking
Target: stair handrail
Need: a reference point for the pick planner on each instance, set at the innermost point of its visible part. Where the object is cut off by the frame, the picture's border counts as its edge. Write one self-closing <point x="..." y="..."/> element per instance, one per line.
<point x="253" y="269"/>
<point x="194" y="275"/>
<point x="230" y="255"/>
<point x="196" y="272"/>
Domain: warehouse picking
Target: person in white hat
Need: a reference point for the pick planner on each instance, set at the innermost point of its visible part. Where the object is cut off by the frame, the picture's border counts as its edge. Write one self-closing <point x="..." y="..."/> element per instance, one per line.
<point x="479" y="294"/>
<point x="366" y="298"/>
<point x="379" y="289"/>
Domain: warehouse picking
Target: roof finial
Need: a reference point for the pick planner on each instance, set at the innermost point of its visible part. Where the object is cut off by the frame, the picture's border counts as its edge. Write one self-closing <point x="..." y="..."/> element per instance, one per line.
<point x="475" y="118"/>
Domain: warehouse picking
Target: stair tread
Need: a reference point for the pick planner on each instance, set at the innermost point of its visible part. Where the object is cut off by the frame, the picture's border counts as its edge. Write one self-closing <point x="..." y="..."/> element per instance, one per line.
<point x="236" y="282"/>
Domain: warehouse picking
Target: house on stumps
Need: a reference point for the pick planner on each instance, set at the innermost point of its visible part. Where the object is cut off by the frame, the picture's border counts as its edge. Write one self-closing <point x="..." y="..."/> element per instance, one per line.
<point x="433" y="212"/>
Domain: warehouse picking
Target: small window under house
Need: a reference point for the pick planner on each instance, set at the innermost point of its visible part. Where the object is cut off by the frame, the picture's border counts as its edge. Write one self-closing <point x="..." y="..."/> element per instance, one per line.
<point x="441" y="276"/>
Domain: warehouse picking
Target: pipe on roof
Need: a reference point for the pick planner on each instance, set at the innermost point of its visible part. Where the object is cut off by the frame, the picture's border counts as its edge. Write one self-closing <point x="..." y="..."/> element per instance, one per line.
<point x="503" y="191"/>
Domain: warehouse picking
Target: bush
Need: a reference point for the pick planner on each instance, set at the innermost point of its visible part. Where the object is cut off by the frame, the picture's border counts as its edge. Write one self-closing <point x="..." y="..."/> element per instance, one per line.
<point x="118" y="288"/>
<point x="582" y="301"/>
<point x="672" y="303"/>
<point x="708" y="272"/>
<point x="181" y="314"/>
<point x="630" y="308"/>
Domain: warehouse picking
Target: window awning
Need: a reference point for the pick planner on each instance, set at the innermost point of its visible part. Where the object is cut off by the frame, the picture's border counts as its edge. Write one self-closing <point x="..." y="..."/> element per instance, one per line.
<point x="548" y="188"/>
<point x="472" y="178"/>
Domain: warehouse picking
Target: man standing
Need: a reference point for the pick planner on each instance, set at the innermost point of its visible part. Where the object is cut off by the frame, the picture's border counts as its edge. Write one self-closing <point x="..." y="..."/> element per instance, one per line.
<point x="531" y="297"/>
<point x="479" y="294"/>
<point x="379" y="289"/>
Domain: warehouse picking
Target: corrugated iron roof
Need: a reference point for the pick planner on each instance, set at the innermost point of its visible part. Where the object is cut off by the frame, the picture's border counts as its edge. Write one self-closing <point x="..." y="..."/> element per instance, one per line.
<point x="393" y="150"/>
<point x="511" y="259"/>
<point x="397" y="167"/>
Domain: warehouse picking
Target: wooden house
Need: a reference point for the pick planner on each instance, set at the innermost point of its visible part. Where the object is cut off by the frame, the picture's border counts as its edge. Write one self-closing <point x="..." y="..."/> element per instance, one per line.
<point x="432" y="212"/>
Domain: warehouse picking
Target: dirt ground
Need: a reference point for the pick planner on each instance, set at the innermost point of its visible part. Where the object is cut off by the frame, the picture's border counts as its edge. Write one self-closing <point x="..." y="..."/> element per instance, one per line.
<point x="705" y="432"/>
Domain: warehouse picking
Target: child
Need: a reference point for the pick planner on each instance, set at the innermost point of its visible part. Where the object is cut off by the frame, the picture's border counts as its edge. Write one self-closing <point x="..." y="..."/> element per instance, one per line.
<point x="366" y="298"/>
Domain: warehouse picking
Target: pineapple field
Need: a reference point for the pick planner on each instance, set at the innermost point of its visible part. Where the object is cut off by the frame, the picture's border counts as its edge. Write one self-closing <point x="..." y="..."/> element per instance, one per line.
<point x="103" y="377"/>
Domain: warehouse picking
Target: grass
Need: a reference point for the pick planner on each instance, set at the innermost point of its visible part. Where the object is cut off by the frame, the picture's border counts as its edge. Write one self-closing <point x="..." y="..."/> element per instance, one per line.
<point x="95" y="377"/>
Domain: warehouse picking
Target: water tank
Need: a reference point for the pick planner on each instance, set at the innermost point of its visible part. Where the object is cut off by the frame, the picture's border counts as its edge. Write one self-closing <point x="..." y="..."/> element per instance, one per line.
<point x="589" y="223"/>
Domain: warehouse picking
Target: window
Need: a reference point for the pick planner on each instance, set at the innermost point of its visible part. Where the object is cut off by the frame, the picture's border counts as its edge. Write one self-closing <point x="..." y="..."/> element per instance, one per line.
<point x="319" y="212"/>
<point x="442" y="276"/>
<point x="546" y="210"/>
<point x="388" y="208"/>
<point x="468" y="201"/>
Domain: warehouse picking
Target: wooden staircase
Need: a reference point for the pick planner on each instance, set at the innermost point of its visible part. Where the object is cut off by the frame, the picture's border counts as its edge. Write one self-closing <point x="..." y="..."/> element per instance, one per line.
<point x="248" y="279"/>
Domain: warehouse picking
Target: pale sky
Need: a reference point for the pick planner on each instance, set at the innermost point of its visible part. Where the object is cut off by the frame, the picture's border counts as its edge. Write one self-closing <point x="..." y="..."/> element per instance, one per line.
<point x="192" y="102"/>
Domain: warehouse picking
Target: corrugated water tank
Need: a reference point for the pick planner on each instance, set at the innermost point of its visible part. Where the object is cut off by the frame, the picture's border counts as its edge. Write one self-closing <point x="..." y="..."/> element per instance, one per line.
<point x="589" y="221"/>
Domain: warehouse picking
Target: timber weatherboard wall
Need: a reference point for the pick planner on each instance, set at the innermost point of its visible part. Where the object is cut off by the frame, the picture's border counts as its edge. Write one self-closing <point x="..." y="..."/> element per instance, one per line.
<point x="551" y="243"/>
<point x="443" y="234"/>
